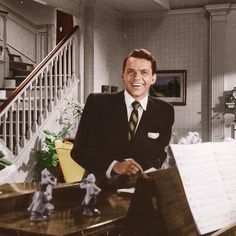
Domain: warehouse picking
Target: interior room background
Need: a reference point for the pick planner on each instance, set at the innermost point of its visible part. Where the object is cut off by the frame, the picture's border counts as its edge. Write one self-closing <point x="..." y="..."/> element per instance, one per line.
<point x="182" y="39"/>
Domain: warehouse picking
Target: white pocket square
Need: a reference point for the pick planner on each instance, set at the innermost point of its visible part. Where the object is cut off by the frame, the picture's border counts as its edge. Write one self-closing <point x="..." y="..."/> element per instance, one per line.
<point x="153" y="135"/>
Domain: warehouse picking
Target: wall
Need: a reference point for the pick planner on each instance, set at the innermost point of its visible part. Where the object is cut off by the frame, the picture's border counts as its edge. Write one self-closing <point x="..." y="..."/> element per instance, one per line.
<point x="34" y="24"/>
<point x="108" y="47"/>
<point x="37" y="13"/>
<point x="230" y="63"/>
<point x="178" y="40"/>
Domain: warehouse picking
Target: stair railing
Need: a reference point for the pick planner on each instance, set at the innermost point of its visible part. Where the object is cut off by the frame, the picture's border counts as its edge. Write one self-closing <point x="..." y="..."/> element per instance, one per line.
<point x="25" y="110"/>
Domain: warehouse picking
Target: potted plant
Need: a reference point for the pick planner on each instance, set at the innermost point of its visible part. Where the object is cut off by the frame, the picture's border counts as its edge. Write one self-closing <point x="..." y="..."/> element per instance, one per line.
<point x="3" y="162"/>
<point x="47" y="157"/>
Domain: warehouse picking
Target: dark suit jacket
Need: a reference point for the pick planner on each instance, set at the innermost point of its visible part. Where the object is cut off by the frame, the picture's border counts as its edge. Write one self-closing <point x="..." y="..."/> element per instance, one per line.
<point x="102" y="135"/>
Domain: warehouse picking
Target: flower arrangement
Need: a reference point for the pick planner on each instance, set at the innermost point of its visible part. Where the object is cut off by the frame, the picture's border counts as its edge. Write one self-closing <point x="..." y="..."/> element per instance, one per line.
<point x="71" y="114"/>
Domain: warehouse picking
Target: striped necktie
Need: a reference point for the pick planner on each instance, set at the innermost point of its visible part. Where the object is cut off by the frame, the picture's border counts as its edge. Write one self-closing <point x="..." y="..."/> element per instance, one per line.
<point x="133" y="120"/>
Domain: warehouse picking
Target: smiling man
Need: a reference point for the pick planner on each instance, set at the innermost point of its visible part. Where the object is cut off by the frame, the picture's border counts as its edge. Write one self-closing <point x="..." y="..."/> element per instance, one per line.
<point x="127" y="132"/>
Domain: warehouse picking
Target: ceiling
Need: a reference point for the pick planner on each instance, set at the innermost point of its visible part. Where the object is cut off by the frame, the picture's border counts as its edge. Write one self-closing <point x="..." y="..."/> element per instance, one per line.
<point x="128" y="6"/>
<point x="133" y="6"/>
<point x="180" y="4"/>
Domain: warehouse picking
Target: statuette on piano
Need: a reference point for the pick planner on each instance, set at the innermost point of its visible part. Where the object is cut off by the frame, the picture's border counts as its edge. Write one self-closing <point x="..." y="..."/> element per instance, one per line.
<point x="89" y="201"/>
<point x="41" y="207"/>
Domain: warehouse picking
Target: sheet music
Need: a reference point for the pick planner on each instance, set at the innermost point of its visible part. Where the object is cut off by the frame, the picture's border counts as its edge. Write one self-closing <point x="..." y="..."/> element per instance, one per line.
<point x="225" y="154"/>
<point x="208" y="173"/>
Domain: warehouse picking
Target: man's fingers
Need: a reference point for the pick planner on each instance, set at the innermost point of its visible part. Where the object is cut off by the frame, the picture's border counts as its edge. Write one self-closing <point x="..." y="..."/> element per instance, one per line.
<point x="134" y="168"/>
<point x="136" y="165"/>
<point x="128" y="167"/>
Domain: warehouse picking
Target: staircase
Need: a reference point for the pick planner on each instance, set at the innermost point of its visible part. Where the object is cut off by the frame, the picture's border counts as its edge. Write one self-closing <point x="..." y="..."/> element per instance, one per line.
<point x="33" y="103"/>
<point x="18" y="72"/>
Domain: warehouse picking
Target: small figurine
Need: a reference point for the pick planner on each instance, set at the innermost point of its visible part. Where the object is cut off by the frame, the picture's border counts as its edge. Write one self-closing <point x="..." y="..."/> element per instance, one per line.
<point x="41" y="208"/>
<point x="92" y="190"/>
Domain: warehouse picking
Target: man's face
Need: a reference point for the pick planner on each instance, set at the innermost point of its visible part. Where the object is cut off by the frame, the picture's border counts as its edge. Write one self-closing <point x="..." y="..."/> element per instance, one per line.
<point x="138" y="77"/>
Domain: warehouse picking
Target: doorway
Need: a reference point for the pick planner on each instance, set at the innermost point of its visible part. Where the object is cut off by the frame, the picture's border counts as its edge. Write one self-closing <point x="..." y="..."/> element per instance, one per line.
<point x="64" y="25"/>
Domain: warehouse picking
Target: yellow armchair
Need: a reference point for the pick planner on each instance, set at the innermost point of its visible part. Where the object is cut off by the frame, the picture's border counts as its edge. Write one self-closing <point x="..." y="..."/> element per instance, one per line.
<point x="72" y="171"/>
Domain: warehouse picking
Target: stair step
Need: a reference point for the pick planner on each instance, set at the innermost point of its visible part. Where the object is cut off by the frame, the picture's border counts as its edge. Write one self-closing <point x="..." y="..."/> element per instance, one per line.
<point x="19" y="79"/>
<point x="21" y="66"/>
<point x="6" y="91"/>
<point x="2" y="101"/>
<point x="17" y="72"/>
<point x="15" y="58"/>
<point x="9" y="82"/>
<point x="3" y="94"/>
<point x="12" y="82"/>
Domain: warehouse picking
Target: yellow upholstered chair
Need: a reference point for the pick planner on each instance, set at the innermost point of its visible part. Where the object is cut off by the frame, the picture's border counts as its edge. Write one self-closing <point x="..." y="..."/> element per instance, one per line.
<point x="72" y="171"/>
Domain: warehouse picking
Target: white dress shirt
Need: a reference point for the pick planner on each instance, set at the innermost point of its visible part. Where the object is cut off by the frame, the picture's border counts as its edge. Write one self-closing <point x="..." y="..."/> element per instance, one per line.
<point x="128" y="101"/>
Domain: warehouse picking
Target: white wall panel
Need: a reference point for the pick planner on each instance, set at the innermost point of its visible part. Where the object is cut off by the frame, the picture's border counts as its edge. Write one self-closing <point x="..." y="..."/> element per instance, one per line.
<point x="26" y="39"/>
<point x="230" y="64"/>
<point x="108" y="49"/>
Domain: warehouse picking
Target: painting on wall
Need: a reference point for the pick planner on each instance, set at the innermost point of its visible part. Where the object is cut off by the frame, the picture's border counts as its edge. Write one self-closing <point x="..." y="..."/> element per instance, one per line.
<point x="114" y="89"/>
<point x="109" y="89"/>
<point x="105" y="89"/>
<point x="170" y="86"/>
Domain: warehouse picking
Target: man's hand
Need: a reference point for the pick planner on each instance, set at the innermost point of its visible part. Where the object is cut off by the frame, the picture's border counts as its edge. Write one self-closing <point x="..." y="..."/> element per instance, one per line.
<point x="127" y="167"/>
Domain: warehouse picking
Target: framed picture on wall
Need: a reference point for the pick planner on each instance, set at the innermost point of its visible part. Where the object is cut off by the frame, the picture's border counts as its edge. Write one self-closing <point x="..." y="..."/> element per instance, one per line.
<point x="114" y="89"/>
<point x="105" y="89"/>
<point x="170" y="86"/>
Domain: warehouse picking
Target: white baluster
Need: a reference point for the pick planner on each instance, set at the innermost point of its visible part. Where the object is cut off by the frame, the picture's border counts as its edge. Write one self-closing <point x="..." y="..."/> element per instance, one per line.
<point x="4" y="122"/>
<point x="69" y="64"/>
<point x="65" y="70"/>
<point x="11" y="136"/>
<point x="17" y="128"/>
<point x="23" y="120"/>
<point x="45" y="111"/>
<point x="35" y="106"/>
<point x="50" y="89"/>
<point x="73" y="59"/>
<point x="60" y="75"/>
<point x="40" y="118"/>
<point x="29" y="121"/>
<point x="55" y="81"/>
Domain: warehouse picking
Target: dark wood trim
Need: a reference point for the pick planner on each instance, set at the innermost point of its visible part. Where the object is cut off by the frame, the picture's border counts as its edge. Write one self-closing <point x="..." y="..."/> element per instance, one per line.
<point x="37" y="69"/>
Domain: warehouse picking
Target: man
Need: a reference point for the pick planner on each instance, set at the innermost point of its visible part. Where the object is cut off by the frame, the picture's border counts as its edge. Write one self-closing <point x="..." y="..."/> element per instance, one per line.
<point x="116" y="137"/>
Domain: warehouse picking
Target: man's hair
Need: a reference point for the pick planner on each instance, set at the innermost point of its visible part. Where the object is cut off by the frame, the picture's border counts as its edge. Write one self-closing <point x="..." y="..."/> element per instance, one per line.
<point x="142" y="54"/>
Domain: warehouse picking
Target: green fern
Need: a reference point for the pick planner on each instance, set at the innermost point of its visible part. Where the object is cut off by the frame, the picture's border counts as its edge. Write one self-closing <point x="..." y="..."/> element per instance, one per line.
<point x="3" y="162"/>
<point x="47" y="158"/>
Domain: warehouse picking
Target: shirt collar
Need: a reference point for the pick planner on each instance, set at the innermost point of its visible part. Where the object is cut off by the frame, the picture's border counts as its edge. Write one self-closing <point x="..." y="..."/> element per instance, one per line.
<point x="129" y="99"/>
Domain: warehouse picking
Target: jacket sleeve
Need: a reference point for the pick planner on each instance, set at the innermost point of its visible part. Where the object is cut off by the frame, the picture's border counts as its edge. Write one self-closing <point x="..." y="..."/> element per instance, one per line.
<point x="87" y="146"/>
<point x="166" y="130"/>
